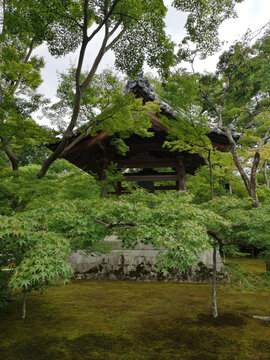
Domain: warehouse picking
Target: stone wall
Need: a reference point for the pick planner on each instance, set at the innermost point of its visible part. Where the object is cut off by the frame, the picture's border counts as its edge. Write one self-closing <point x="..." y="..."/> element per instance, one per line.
<point x="139" y="264"/>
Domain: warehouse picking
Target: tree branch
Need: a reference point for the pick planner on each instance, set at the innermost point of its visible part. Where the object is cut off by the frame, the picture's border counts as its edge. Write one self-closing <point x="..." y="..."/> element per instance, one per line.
<point x="116" y="223"/>
<point x="78" y="138"/>
<point x="215" y="236"/>
<point x="133" y="18"/>
<point x="265" y="168"/>
<point x="106" y="18"/>
<point x="115" y="28"/>
<point x="27" y="57"/>
<point x="114" y="41"/>
<point x="97" y="60"/>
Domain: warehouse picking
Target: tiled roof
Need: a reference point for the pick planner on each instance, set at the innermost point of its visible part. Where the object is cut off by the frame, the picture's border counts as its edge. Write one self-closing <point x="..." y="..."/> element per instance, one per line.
<point x="145" y="86"/>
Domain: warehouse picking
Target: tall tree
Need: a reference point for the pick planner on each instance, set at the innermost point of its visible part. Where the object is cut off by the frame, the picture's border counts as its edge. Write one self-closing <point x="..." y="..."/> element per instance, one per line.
<point x="21" y="31"/>
<point x="104" y="106"/>
<point x="190" y="126"/>
<point x="238" y="97"/>
<point x="135" y="32"/>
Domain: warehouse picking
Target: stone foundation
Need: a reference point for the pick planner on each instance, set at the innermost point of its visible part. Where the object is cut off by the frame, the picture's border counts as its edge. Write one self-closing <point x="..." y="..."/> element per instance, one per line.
<point x="139" y="264"/>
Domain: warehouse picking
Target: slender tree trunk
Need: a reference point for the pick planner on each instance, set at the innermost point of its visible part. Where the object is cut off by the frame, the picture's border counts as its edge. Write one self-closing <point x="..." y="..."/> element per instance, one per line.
<point x="214" y="280"/>
<point x="237" y="162"/>
<point x="211" y="175"/>
<point x="251" y="184"/>
<point x="11" y="155"/>
<point x="8" y="150"/>
<point x="267" y="180"/>
<point x="63" y="143"/>
<point x="24" y="304"/>
<point x="253" y="179"/>
<point x="81" y="88"/>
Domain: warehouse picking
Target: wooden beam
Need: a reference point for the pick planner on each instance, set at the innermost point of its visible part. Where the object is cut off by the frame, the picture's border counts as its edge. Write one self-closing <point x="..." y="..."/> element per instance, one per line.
<point x="151" y="146"/>
<point x="85" y="144"/>
<point x="146" y="163"/>
<point x="156" y="177"/>
<point x="156" y="122"/>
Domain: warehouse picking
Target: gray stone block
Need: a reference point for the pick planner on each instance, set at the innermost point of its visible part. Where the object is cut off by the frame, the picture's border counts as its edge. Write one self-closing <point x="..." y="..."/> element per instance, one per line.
<point x="140" y="264"/>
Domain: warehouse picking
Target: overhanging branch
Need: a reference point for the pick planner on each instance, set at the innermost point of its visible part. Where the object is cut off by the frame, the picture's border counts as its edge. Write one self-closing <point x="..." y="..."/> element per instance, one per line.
<point x="115" y="223"/>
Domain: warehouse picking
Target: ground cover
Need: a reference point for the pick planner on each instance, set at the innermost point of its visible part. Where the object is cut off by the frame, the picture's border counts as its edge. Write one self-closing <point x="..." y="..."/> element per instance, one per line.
<point x="98" y="320"/>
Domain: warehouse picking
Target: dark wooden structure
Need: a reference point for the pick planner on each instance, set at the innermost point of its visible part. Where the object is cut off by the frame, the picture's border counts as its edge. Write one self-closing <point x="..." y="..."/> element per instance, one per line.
<point x="146" y="155"/>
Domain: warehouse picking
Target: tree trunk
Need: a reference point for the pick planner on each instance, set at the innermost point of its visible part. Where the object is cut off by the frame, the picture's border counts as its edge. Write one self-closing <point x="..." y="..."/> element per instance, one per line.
<point x="253" y="179"/>
<point x="237" y="162"/>
<point x="10" y="154"/>
<point x="24" y="304"/>
<point x="214" y="280"/>
<point x="267" y="180"/>
<point x="251" y="184"/>
<point x="211" y="175"/>
<point x="80" y="88"/>
<point x="47" y="163"/>
<point x="254" y="168"/>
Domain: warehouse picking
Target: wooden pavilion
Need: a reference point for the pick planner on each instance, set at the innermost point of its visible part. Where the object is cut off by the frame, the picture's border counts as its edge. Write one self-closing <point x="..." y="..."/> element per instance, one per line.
<point x="146" y="155"/>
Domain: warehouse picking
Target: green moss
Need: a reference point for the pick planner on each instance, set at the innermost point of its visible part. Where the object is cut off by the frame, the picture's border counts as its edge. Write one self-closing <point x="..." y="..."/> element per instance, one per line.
<point x="253" y="265"/>
<point x="113" y="320"/>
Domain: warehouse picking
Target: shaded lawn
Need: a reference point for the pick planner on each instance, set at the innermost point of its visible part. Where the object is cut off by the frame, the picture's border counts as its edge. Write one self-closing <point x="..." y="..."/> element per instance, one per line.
<point x="255" y="266"/>
<point x="113" y="320"/>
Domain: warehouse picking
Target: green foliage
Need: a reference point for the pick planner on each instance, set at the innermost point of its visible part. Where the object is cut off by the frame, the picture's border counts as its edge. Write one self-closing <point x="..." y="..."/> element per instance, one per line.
<point x="144" y="29"/>
<point x="243" y="279"/>
<point x="236" y="97"/>
<point x="104" y="106"/>
<point x="233" y="251"/>
<point x="190" y="126"/>
<point x="250" y="226"/>
<point x="20" y="78"/>
<point x="246" y="99"/>
<point x="38" y="256"/>
<point x="198" y="184"/>
<point x="43" y="220"/>
<point x="113" y="175"/>
<point x="46" y="20"/>
<point x="203" y="20"/>
<point x="23" y="189"/>
<point x="166" y="220"/>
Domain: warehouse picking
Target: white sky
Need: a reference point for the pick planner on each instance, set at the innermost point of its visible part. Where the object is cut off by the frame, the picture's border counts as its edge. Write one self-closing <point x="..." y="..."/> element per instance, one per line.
<point x="252" y="14"/>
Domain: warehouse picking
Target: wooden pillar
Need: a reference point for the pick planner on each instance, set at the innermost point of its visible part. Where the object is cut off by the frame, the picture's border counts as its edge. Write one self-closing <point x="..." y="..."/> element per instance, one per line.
<point x="103" y="165"/>
<point x="118" y="188"/>
<point x="181" y="174"/>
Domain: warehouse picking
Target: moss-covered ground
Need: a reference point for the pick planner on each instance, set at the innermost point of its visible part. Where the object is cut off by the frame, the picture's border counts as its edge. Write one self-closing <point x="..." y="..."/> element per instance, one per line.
<point x="112" y="320"/>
